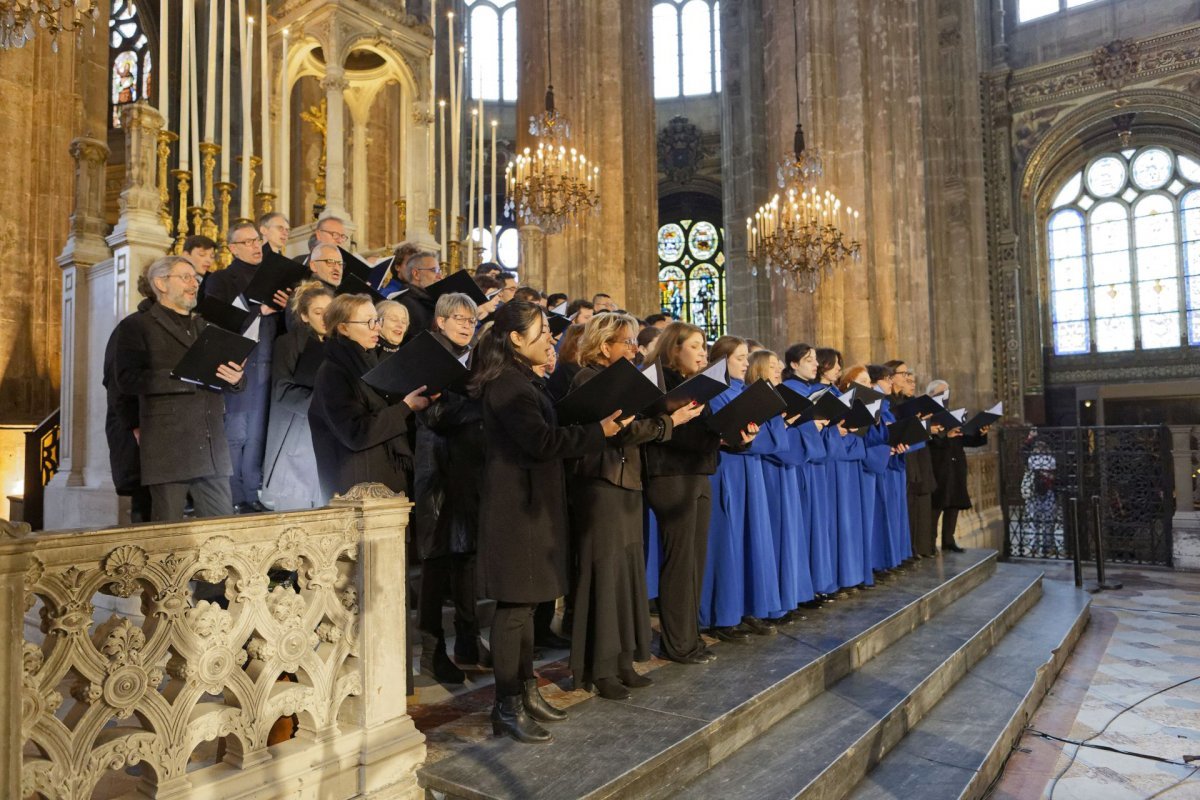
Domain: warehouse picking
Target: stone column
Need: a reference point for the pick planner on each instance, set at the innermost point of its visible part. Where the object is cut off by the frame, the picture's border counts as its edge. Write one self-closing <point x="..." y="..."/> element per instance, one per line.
<point x="358" y="173"/>
<point x="335" y="84"/>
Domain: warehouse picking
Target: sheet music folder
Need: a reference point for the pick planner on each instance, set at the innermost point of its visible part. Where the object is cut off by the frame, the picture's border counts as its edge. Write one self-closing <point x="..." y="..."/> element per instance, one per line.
<point x="755" y="405"/>
<point x="274" y="274"/>
<point x="215" y="346"/>
<point x="421" y="362"/>
<point x="700" y="388"/>
<point x="908" y="431"/>
<point x="619" y="387"/>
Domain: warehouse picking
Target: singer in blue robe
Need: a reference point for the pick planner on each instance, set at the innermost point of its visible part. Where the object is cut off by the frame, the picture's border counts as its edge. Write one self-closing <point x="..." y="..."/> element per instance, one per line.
<point x="816" y="493"/>
<point x="653" y="551"/>
<point x="846" y="452"/>
<point x="741" y="577"/>
<point x="789" y="519"/>
<point x="892" y="509"/>
<point x="874" y="468"/>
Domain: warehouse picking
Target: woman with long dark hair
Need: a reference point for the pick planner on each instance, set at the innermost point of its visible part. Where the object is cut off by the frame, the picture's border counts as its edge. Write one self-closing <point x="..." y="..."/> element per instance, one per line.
<point x="612" y="621"/>
<point x="523" y="517"/>
<point x="679" y="494"/>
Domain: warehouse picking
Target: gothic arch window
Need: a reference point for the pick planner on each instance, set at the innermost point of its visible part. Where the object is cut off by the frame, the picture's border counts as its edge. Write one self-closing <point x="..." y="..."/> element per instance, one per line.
<point x="492" y="49"/>
<point x="1029" y="10"/>
<point x="130" y="67"/>
<point x="687" y="47"/>
<point x="1124" y="253"/>
<point x="691" y="273"/>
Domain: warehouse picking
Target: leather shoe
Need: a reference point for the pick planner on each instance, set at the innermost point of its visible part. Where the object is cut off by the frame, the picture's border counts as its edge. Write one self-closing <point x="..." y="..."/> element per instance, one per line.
<point x="611" y="689"/>
<point x="509" y="718"/>
<point x="549" y="640"/>
<point x="759" y="627"/>
<point x="536" y="705"/>
<point x="733" y="634"/>
<point x="953" y="547"/>
<point x="632" y="679"/>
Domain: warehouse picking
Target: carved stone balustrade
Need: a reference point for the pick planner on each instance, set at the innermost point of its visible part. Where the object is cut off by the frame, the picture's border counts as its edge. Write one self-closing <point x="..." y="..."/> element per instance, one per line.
<point x="101" y="691"/>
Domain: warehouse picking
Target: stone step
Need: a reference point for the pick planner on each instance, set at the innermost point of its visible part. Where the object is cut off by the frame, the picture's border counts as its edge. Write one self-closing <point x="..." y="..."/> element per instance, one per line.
<point x="694" y="717"/>
<point x="828" y="745"/>
<point x="960" y="747"/>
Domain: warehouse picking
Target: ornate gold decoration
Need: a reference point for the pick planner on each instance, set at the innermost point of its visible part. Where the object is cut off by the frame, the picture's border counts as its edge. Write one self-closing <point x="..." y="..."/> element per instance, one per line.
<point x="208" y="156"/>
<point x="165" y="138"/>
<point x="20" y="19"/>
<point x="402" y="210"/>
<point x="225" y="192"/>
<point x="182" y="183"/>
<point x="434" y="215"/>
<point x="318" y="117"/>
<point x="266" y="202"/>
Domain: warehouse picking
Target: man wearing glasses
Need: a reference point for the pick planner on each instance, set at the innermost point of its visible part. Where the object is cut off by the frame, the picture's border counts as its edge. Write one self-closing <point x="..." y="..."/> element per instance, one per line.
<point x="275" y="229"/>
<point x="417" y="272"/>
<point x="246" y="413"/>
<point x="181" y="429"/>
<point x="326" y="264"/>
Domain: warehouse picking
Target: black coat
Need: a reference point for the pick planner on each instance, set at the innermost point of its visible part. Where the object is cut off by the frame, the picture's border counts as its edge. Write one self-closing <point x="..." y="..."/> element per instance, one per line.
<point x="560" y="381"/>
<point x="449" y="472"/>
<point x="182" y="424"/>
<point x="124" y="458"/>
<point x="523" y="520"/>
<point x="357" y="436"/>
<point x="290" y="465"/>
<point x="420" y="309"/>
<point x="949" y="462"/>
<point x="692" y="448"/>
<point x="228" y="284"/>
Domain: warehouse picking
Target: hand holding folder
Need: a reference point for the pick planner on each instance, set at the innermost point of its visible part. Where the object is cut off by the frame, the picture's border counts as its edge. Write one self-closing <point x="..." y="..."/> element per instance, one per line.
<point x="423" y="362"/>
<point x="756" y="404"/>
<point x="619" y="387"/>
<point x="215" y="359"/>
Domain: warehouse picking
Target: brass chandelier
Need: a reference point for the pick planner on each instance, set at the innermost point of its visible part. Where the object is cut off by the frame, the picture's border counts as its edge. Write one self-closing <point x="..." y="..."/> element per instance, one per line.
<point x="553" y="184"/>
<point x="806" y="232"/>
<point x="20" y="20"/>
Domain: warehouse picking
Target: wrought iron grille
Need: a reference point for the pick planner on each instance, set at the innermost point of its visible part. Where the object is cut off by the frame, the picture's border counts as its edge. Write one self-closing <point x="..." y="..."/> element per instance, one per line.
<point x="1122" y="475"/>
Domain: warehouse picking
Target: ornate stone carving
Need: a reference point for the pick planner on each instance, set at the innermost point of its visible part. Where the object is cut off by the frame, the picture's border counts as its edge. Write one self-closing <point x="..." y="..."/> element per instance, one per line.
<point x="1117" y="62"/>
<point x="681" y="148"/>
<point x="367" y="491"/>
<point x="14" y="530"/>
<point x="125" y="565"/>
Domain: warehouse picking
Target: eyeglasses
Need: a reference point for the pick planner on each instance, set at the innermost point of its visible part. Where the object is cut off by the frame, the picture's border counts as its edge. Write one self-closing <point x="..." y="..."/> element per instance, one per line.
<point x="340" y="238"/>
<point x="256" y="240"/>
<point x="337" y="261"/>
<point x="461" y="320"/>
<point x="901" y="374"/>
<point x="186" y="277"/>
<point x="626" y="342"/>
<point x="437" y="269"/>
<point x="371" y="324"/>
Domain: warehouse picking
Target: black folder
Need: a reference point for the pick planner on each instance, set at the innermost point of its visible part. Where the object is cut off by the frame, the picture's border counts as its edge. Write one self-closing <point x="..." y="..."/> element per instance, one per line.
<point x="797" y="403"/>
<point x="868" y="394"/>
<point x="758" y="403"/>
<point x="558" y="324"/>
<point x="983" y="419"/>
<point x="275" y="273"/>
<point x="310" y="360"/>
<point x="215" y="346"/>
<point x="222" y="314"/>
<point x="923" y="405"/>
<point x="700" y="388"/>
<point x="828" y="406"/>
<point x="949" y="420"/>
<point x="460" y="282"/>
<point x="859" y="417"/>
<point x="620" y="386"/>
<point x="352" y="284"/>
<point x="354" y="265"/>
<point x="423" y="361"/>
<point x="908" y="431"/>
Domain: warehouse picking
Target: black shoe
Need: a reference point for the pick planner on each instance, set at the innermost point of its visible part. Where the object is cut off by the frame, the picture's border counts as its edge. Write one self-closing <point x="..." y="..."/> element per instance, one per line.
<point x="257" y="507"/>
<point x="735" y="634"/>
<point x="759" y="627"/>
<point x="243" y="508"/>
<point x="509" y="718"/>
<point x="611" y="689"/>
<point x="702" y="656"/>
<point x="953" y="547"/>
<point x="632" y="679"/>
<point x="549" y="640"/>
<point x="435" y="662"/>
<point x="537" y="707"/>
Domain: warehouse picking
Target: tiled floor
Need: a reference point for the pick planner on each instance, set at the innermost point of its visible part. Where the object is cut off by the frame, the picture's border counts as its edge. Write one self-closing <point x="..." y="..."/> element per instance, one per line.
<point x="1133" y="685"/>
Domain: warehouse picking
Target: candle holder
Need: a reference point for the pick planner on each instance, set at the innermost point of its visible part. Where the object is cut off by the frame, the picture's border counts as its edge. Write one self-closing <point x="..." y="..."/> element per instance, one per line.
<point x="208" y="158"/>
<point x="165" y="138"/>
<point x="197" y="213"/>
<point x="248" y="189"/>
<point x="266" y="202"/>
<point x="462" y="230"/>
<point x="434" y="215"/>
<point x="455" y="256"/>
<point x="183" y="180"/>
<point x="402" y="208"/>
<point x="225" y="192"/>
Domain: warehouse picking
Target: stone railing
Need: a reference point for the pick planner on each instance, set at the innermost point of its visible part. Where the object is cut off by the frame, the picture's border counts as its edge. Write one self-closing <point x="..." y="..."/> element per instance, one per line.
<point x="130" y="702"/>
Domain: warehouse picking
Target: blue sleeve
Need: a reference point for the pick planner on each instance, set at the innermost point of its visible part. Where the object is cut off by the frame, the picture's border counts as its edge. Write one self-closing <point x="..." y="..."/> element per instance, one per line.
<point x="856" y="447"/>
<point x="770" y="438"/>
<point x="878" y="458"/>
<point x="813" y="443"/>
<point x="794" y="453"/>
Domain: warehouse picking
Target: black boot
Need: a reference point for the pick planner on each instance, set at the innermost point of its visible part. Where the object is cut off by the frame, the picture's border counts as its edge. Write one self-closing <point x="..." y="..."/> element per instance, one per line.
<point x="536" y="705"/>
<point x="435" y="662"/>
<point x="952" y="546"/>
<point x="509" y="717"/>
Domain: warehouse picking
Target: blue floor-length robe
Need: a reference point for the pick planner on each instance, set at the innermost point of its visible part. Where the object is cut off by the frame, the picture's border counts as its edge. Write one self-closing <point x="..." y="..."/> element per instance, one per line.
<point x="653" y="551"/>
<point x="816" y="485"/>
<point x="741" y="577"/>
<point x="789" y="517"/>
<point x="847" y="453"/>
<point x="874" y="466"/>
<point x="892" y="491"/>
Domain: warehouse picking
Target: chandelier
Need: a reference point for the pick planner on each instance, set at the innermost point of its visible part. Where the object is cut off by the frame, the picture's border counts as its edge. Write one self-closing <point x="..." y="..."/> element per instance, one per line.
<point x="805" y="233"/>
<point x="552" y="184"/>
<point x="20" y="19"/>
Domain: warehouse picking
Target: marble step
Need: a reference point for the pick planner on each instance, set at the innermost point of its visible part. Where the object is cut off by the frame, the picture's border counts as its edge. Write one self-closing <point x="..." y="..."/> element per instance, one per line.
<point x="962" y="744"/>
<point x="694" y="717"/>
<point x="828" y="745"/>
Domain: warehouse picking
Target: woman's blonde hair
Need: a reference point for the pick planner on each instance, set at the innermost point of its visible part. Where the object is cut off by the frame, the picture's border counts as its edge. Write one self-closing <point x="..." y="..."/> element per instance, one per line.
<point x="760" y="366"/>
<point x="304" y="294"/>
<point x="342" y="309"/>
<point x="600" y="330"/>
<point x="384" y="306"/>
<point x="666" y="348"/>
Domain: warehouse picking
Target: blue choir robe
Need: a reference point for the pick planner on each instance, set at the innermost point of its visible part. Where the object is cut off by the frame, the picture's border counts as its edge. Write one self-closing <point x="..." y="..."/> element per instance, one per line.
<point x="653" y="551"/>
<point x="789" y="518"/>
<point x="741" y="577"/>
<point x="847" y="453"/>
<point x="816" y="485"/>
<point x="874" y="467"/>
<point x="892" y="508"/>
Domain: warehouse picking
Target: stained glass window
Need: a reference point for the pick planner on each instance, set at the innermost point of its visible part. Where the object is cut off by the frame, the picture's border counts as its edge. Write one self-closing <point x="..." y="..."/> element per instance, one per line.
<point x="505" y="251"/>
<point x="491" y="35"/>
<point x="691" y="273"/>
<point x="1123" y="242"/>
<point x="1028" y="10"/>
<point x="131" y="68"/>
<point x="686" y="47"/>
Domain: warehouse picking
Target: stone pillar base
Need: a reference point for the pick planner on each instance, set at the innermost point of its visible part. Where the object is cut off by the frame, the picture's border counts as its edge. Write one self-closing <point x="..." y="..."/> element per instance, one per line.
<point x="1185" y="540"/>
<point x="69" y="507"/>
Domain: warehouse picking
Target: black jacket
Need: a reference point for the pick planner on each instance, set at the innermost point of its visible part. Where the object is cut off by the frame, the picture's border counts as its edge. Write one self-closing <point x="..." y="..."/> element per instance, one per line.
<point x="918" y="466"/>
<point x="124" y="457"/>
<point x="357" y="436"/>
<point x="182" y="424"/>
<point x="420" y="309"/>
<point x="949" y="462"/>
<point x="620" y="461"/>
<point x="561" y="380"/>
<point x="692" y="449"/>
<point x="523" y="519"/>
<point x="449" y="471"/>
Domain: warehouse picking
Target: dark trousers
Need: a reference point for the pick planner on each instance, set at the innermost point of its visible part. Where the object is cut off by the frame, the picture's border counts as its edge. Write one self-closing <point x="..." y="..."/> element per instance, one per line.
<point x="140" y="505"/>
<point x="246" y="433"/>
<point x="512" y="647"/>
<point x="920" y="523"/>
<point x="210" y="498"/>
<point x="949" y="518"/>
<point x="682" y="505"/>
<point x="450" y="576"/>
